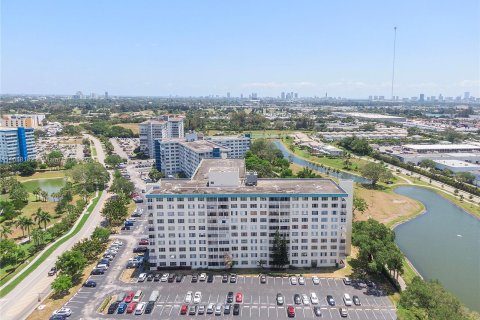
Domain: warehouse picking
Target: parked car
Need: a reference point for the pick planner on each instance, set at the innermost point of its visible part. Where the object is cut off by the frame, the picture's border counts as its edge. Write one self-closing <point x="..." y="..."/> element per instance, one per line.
<point x="52" y="272"/>
<point x="239" y="297"/>
<point x="156" y="278"/>
<point x="203" y="277"/>
<point x="210" y="308"/>
<point x="201" y="309"/>
<point x="179" y="278"/>
<point x="184" y="309"/>
<point x="66" y="312"/>
<point x="140" y="308"/>
<point x="318" y="311"/>
<point x="263" y="278"/>
<point x="150" y="277"/>
<point x="227" y="308"/>
<point x="218" y="309"/>
<point x="197" y="297"/>
<point x="347" y="300"/>
<point x="316" y="280"/>
<point x="140" y="249"/>
<point x="297" y="299"/>
<point x="280" y="299"/>
<point x="90" y="284"/>
<point x="330" y="300"/>
<point x="121" y="296"/>
<point x="210" y="278"/>
<point x="233" y="278"/>
<point x="225" y="278"/>
<point x="164" y="277"/>
<point x="97" y="272"/>
<point x="290" y="311"/>
<point x="113" y="307"/>
<point x="122" y="307"/>
<point x="314" y="298"/>
<point x="171" y="277"/>
<point x="57" y="317"/>
<point x="293" y="280"/>
<point x="347" y="281"/>
<point x="356" y="301"/>
<point x="301" y="280"/>
<point x="142" y="277"/>
<point x="138" y="296"/>
<point x="143" y="242"/>
<point x="194" y="278"/>
<point x="188" y="297"/>
<point x="236" y="309"/>
<point x="192" y="310"/>
<point x="131" y="307"/>
<point x="305" y="299"/>
<point x="343" y="312"/>
<point x="230" y="297"/>
<point x="129" y="297"/>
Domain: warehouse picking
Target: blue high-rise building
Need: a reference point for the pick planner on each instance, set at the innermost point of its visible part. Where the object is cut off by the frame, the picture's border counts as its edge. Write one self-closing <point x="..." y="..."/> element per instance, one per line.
<point x="16" y="144"/>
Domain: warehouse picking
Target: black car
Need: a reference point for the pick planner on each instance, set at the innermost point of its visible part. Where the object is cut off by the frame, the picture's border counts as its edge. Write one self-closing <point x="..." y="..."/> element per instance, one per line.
<point x="149" y="307"/>
<point x="297" y="299"/>
<point x="263" y="278"/>
<point x="113" y="307"/>
<point x="356" y="301"/>
<point x="171" y="277"/>
<point x="97" y="272"/>
<point x="330" y="300"/>
<point x="236" y="309"/>
<point x="195" y="278"/>
<point x="140" y="249"/>
<point x="370" y="283"/>
<point x="233" y="278"/>
<point x="230" y="297"/>
<point x="90" y="284"/>
<point x="210" y="278"/>
<point x="157" y="277"/>
<point x="317" y="311"/>
<point x="57" y="317"/>
<point x="150" y="277"/>
<point x="179" y="278"/>
<point x="225" y="278"/>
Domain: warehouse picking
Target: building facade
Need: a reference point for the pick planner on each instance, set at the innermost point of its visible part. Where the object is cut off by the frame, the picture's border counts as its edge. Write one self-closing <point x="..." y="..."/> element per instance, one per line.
<point x="167" y="127"/>
<point x="173" y="156"/>
<point x="225" y="215"/>
<point x="16" y="144"/>
<point x="22" y="120"/>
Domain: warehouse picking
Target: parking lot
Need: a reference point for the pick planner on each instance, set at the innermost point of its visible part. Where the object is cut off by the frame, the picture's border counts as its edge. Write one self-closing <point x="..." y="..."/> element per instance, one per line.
<point x="259" y="300"/>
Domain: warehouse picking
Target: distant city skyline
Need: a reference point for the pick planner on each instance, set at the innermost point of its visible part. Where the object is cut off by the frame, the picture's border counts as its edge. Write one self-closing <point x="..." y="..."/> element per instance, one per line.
<point x="207" y="48"/>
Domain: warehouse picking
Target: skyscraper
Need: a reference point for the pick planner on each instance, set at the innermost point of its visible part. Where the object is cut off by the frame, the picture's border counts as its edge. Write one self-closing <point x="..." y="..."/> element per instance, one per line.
<point x="422" y="97"/>
<point x="106" y="94"/>
<point x="283" y="95"/>
<point x="228" y="95"/>
<point x="466" y="96"/>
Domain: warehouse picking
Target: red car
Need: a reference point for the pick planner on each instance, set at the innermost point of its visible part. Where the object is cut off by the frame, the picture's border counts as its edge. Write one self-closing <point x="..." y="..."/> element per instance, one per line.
<point x="143" y="242"/>
<point x="291" y="311"/>
<point x="129" y="297"/>
<point x="184" y="309"/>
<point x="239" y="297"/>
<point x="131" y="307"/>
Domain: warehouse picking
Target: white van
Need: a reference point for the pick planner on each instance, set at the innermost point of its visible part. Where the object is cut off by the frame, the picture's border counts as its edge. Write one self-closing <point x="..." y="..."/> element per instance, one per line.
<point x="142" y="277"/>
<point x="102" y="266"/>
<point x="140" y="308"/>
<point x="154" y="296"/>
<point x="138" y="295"/>
<point x="347" y="299"/>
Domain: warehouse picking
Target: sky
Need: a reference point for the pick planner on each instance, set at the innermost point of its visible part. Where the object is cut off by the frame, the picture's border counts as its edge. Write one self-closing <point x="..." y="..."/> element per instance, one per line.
<point x="199" y="48"/>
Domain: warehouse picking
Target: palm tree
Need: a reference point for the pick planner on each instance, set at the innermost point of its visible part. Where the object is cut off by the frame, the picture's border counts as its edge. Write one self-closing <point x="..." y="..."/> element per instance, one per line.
<point x="38" y="237"/>
<point x="42" y="217"/>
<point x="44" y="195"/>
<point x="22" y="224"/>
<point x="36" y="192"/>
<point x="5" y="231"/>
<point x="28" y="224"/>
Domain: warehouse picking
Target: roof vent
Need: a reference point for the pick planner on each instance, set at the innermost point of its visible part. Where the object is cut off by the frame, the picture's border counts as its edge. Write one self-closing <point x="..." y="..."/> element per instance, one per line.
<point x="251" y="178"/>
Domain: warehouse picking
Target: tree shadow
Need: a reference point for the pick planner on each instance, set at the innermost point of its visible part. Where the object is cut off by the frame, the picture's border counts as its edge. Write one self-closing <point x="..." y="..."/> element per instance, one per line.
<point x="378" y="187"/>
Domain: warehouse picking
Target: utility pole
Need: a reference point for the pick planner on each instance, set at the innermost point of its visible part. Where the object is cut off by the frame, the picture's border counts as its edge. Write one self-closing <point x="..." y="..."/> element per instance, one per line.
<point x="393" y="64"/>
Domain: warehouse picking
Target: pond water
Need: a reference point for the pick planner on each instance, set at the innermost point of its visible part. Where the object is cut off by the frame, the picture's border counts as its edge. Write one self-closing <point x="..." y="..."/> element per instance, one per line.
<point x="443" y="244"/>
<point x="302" y="162"/>
<point x="49" y="185"/>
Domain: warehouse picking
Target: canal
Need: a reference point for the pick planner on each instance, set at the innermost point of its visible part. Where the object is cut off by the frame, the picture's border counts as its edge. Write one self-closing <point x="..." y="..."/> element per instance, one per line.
<point x="305" y="163"/>
<point x="443" y="244"/>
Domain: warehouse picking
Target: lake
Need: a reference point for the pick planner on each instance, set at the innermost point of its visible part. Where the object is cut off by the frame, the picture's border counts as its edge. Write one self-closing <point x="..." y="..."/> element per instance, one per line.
<point x="443" y="244"/>
<point x="49" y="185"/>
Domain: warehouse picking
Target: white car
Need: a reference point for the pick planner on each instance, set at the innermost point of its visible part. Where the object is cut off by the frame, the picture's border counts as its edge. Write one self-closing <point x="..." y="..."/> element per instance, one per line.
<point x="316" y="280"/>
<point x="210" y="308"/>
<point x="118" y="243"/>
<point x="67" y="312"/>
<point x="347" y="281"/>
<point x="293" y="280"/>
<point x="188" y="297"/>
<point x="164" y="277"/>
<point x="218" y="310"/>
<point x="314" y="298"/>
<point x="197" y="297"/>
<point x="305" y="300"/>
<point x="347" y="299"/>
<point x="140" y="308"/>
<point x="142" y="277"/>
<point x="203" y="277"/>
<point x="301" y="280"/>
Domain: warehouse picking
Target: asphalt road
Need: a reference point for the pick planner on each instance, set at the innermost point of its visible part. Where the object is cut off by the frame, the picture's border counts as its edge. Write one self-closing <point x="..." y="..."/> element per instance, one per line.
<point x="25" y="297"/>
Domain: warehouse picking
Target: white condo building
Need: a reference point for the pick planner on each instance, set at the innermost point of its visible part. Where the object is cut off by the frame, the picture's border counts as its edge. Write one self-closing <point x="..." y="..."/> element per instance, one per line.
<point x="173" y="156"/>
<point x="167" y="127"/>
<point x="16" y="144"/>
<point x="225" y="214"/>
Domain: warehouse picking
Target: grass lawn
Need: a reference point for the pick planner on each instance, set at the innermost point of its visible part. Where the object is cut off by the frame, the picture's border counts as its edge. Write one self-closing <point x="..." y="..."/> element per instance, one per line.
<point x="43" y="175"/>
<point x="92" y="148"/>
<point x="131" y="126"/>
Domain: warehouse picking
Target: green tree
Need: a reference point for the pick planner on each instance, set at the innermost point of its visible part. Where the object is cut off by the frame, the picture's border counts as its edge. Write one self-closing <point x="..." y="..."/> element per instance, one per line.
<point x="44" y="195"/>
<point x="62" y="284"/>
<point x="89" y="248"/>
<point x="275" y="255"/>
<point x="101" y="234"/>
<point x="10" y="252"/>
<point x="115" y="211"/>
<point x="114" y="160"/>
<point x="155" y="175"/>
<point x="5" y="231"/>
<point x="24" y="224"/>
<point x="18" y="195"/>
<point x="122" y="186"/>
<point x="38" y="237"/>
<point x="7" y="210"/>
<point x="72" y="263"/>
<point x="42" y="217"/>
<point x="427" y="163"/>
<point x="306" y="173"/>
<point x="465" y="177"/>
<point x="376" y="172"/>
<point x="359" y="204"/>
<point x="36" y="192"/>
<point x="284" y="259"/>
<point x="26" y="168"/>
<point x="70" y="163"/>
<point x="54" y="158"/>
